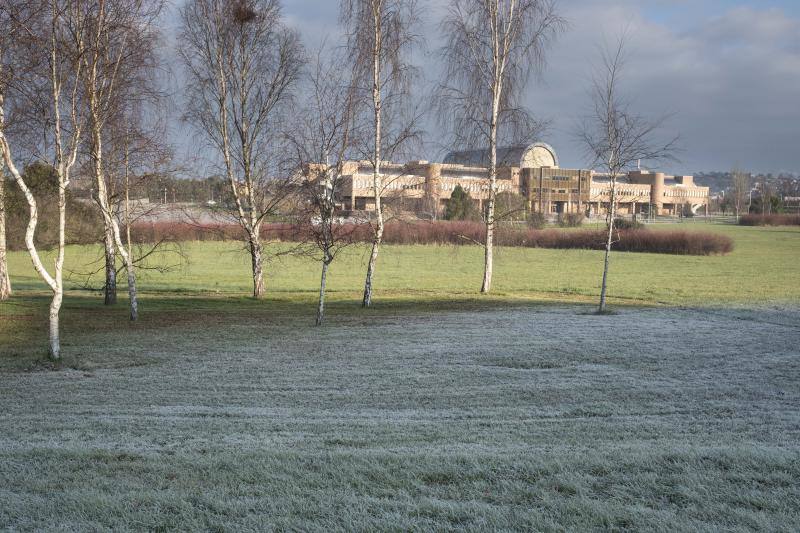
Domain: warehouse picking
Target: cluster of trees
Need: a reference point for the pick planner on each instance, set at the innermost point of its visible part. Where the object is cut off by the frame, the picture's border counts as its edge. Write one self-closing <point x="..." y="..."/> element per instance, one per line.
<point x="82" y="223"/>
<point x="508" y="205"/>
<point x="784" y="183"/>
<point x="79" y="91"/>
<point x="168" y="188"/>
<point x="77" y="80"/>
<point x="747" y="194"/>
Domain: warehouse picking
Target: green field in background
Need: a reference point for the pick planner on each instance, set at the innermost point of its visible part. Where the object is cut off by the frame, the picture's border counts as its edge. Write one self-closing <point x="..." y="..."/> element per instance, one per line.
<point x="761" y="269"/>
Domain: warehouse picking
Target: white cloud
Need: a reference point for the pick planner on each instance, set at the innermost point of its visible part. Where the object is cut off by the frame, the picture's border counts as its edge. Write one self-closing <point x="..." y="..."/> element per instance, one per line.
<point x="728" y="70"/>
<point x="733" y="81"/>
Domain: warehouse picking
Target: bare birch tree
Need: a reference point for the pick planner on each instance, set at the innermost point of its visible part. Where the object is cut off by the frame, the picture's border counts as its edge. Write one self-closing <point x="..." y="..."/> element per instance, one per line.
<point x="740" y="190"/>
<point x="6" y="21"/>
<point x="137" y="152"/>
<point x="243" y="64"/>
<point x="118" y="60"/>
<point x="5" y="280"/>
<point x="492" y="48"/>
<point x="321" y="141"/>
<point x="133" y="149"/>
<point x="379" y="41"/>
<point x="616" y="139"/>
<point x="45" y="35"/>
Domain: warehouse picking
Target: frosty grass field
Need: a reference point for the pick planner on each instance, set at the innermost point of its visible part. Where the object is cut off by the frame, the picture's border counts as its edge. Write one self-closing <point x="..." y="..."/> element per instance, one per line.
<point x="438" y="410"/>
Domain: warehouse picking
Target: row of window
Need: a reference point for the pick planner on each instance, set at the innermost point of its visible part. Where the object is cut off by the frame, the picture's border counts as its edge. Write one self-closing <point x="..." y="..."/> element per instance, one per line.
<point x="475" y="187"/>
<point x="392" y="185"/>
<point x="562" y="178"/>
<point x="633" y="192"/>
<point x="396" y="185"/>
<point x="685" y="194"/>
<point x="556" y="191"/>
<point x="501" y="187"/>
<point x="621" y="192"/>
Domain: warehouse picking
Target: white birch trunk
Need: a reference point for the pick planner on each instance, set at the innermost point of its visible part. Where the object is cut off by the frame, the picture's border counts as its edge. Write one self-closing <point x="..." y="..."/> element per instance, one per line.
<point x="129" y="266"/>
<point x="500" y="47"/>
<point x="58" y="289"/>
<point x="248" y="223"/>
<point x="322" y="286"/>
<point x="377" y="182"/>
<point x="127" y="260"/>
<point x="132" y="294"/>
<point x="488" y="263"/>
<point x="112" y="235"/>
<point x="109" y="240"/>
<point x="609" y="242"/>
<point x="54" y="335"/>
<point x="5" y="280"/>
<point x="54" y="282"/>
<point x="256" y="256"/>
<point x="109" y="233"/>
<point x="64" y="160"/>
<point x="110" y="288"/>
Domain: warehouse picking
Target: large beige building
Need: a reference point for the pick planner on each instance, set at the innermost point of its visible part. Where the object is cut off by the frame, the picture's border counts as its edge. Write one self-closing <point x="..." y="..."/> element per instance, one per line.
<point x="533" y="172"/>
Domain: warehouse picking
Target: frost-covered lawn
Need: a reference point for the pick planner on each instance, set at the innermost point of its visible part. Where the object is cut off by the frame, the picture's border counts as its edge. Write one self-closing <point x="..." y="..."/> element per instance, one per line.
<point x="242" y="417"/>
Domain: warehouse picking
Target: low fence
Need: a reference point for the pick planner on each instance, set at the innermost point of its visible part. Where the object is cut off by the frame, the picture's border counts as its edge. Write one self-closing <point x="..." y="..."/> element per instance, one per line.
<point x="709" y="219"/>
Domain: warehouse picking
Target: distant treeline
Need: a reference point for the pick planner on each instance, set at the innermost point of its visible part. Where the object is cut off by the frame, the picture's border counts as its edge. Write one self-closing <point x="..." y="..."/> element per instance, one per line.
<point x="784" y="184"/>
<point x="161" y="188"/>
<point x="83" y="219"/>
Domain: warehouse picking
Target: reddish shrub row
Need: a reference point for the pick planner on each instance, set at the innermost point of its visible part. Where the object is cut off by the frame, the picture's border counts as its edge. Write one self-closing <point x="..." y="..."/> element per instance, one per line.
<point x="464" y="232"/>
<point x="179" y="231"/>
<point x="182" y="232"/>
<point x="677" y="242"/>
<point x="769" y="220"/>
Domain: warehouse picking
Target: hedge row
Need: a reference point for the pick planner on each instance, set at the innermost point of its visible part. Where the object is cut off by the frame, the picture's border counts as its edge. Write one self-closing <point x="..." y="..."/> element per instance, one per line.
<point x="678" y="242"/>
<point x="769" y="220"/>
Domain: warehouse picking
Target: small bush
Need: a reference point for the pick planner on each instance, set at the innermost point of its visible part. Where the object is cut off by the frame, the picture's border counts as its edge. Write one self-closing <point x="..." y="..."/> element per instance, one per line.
<point x="570" y="220"/>
<point x="511" y="206"/>
<point x="83" y="224"/>
<point x="625" y="224"/>
<point x="770" y="220"/>
<point x="460" y="206"/>
<point x="537" y="220"/>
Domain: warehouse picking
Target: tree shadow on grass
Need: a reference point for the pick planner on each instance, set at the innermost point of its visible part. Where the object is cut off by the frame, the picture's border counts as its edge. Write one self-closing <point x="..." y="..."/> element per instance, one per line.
<point x="96" y="336"/>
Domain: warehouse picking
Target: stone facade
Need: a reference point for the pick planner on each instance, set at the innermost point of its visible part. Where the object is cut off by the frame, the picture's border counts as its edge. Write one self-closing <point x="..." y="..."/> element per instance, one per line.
<point x="423" y="187"/>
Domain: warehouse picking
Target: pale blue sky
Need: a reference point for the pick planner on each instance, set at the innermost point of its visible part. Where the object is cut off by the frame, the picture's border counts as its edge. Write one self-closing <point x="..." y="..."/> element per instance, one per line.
<point x="729" y="71"/>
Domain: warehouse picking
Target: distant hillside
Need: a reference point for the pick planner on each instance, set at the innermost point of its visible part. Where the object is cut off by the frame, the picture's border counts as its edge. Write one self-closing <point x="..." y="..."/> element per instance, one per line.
<point x="786" y="183"/>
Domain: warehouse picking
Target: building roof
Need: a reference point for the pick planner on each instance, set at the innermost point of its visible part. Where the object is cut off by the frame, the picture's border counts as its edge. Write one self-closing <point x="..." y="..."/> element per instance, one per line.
<point x="538" y="154"/>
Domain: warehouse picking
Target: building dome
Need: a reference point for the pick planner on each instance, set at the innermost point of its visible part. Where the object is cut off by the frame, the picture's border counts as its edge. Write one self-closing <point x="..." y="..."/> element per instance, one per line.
<point x="539" y="155"/>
